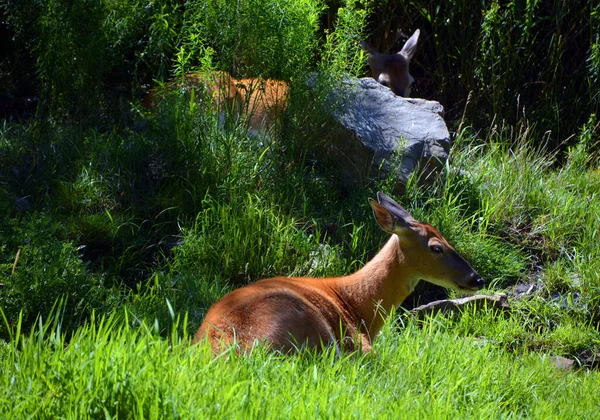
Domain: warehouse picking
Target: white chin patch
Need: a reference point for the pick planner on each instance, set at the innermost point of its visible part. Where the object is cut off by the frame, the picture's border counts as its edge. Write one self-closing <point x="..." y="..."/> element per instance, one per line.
<point x="384" y="79"/>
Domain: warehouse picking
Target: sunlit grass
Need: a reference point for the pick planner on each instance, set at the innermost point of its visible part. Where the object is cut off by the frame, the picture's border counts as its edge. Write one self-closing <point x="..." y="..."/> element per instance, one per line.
<point x="110" y="369"/>
<point x="550" y="212"/>
<point x="133" y="222"/>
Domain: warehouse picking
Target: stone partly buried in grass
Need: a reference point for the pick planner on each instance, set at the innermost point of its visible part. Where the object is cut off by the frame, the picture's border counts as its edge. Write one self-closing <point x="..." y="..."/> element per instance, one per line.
<point x="375" y="134"/>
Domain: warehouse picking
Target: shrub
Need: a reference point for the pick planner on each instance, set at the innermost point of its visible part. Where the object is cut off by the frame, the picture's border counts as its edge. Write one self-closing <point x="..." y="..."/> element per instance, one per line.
<point x="39" y="268"/>
<point x="520" y="60"/>
<point x="85" y="49"/>
<point x="273" y="38"/>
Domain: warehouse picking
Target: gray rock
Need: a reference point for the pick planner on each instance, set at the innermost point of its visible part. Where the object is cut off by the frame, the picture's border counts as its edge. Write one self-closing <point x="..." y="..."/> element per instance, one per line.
<point x="589" y="358"/>
<point x="378" y="132"/>
<point x="562" y="363"/>
<point x="523" y="290"/>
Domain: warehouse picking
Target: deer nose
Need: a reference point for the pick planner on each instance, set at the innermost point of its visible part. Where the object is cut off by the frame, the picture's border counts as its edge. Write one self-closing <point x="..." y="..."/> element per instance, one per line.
<point x="476" y="281"/>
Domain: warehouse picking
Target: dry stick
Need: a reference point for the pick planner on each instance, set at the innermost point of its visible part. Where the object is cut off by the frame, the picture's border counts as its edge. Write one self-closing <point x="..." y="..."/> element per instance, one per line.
<point x="16" y="261"/>
<point x="462" y="120"/>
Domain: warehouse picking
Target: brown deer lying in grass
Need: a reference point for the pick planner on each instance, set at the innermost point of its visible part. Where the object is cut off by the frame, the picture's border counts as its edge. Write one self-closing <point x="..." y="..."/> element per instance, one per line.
<point x="259" y="101"/>
<point x="348" y="312"/>
<point x="392" y="70"/>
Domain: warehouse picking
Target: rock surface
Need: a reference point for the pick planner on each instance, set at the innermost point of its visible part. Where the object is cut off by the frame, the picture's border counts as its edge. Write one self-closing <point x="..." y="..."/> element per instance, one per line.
<point x="562" y="363"/>
<point x="378" y="132"/>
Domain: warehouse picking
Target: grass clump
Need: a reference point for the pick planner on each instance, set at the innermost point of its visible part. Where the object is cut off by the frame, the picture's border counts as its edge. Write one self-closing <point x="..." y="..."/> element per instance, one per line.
<point x="108" y="368"/>
<point x="552" y="213"/>
<point x="244" y="240"/>
<point x="44" y="269"/>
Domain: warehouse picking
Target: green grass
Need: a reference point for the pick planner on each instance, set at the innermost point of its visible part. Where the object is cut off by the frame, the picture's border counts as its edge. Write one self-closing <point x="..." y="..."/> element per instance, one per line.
<point x="551" y="213"/>
<point x="108" y="369"/>
<point x="195" y="231"/>
<point x="134" y="227"/>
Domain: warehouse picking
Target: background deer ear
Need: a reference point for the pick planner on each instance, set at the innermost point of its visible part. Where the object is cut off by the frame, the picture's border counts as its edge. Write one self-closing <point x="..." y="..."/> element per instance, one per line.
<point x="410" y="47"/>
<point x="387" y="220"/>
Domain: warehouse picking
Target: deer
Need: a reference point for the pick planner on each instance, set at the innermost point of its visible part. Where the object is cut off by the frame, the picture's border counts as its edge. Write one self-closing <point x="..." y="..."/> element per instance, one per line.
<point x="290" y="313"/>
<point x="259" y="101"/>
<point x="392" y="70"/>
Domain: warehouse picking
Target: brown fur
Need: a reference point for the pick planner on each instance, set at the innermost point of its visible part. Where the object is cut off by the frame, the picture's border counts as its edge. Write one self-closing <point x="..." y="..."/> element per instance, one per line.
<point x="261" y="100"/>
<point x="348" y="312"/>
<point x="264" y="100"/>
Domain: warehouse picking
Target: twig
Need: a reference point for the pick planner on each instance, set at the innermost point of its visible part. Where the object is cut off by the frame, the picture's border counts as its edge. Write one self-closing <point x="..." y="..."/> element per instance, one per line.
<point x="16" y="261"/>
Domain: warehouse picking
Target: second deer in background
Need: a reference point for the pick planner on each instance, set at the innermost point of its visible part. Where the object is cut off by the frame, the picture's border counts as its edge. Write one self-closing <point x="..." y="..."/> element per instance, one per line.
<point x="260" y="101"/>
<point x="392" y="70"/>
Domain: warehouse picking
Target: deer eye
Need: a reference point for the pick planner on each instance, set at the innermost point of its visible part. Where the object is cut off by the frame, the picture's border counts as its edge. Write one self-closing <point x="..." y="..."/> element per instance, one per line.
<point x="436" y="249"/>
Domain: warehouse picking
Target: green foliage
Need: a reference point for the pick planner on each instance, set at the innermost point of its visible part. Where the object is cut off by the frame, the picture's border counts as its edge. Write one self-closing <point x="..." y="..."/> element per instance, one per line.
<point x="593" y="60"/>
<point x="341" y="54"/>
<point x="109" y="369"/>
<point x="585" y="154"/>
<point x="509" y="61"/>
<point x="84" y="49"/>
<point x="69" y="53"/>
<point x="39" y="267"/>
<point x="243" y="241"/>
<point x="507" y="41"/>
<point x="273" y="39"/>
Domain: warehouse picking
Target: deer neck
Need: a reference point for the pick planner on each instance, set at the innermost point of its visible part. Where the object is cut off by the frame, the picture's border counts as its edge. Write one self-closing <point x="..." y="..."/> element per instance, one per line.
<point x="382" y="284"/>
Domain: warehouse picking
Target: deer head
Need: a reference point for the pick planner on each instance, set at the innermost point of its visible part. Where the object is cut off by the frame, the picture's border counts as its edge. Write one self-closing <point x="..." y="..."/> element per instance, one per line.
<point x="391" y="70"/>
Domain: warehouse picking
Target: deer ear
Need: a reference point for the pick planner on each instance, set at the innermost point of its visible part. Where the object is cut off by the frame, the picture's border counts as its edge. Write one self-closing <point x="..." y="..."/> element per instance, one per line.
<point x="398" y="212"/>
<point x="410" y="47"/>
<point x="387" y="219"/>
